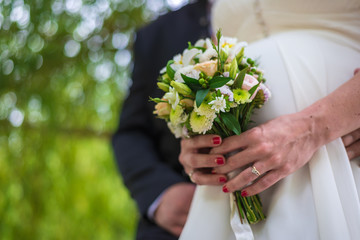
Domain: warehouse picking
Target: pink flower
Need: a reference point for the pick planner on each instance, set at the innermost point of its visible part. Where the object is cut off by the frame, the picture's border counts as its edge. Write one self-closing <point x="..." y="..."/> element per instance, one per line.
<point x="249" y="82"/>
<point x="267" y="93"/>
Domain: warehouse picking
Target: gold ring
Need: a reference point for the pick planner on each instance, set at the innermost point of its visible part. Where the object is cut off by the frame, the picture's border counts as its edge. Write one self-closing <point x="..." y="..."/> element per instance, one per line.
<point x="255" y="171"/>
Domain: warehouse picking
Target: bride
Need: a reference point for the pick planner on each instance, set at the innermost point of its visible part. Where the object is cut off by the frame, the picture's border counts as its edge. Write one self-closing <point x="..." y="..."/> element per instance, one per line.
<point x="308" y="186"/>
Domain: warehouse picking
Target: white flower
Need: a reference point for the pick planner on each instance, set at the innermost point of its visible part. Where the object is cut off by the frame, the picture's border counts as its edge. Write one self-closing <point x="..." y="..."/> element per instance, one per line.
<point x="235" y="50"/>
<point x="178" y="62"/>
<point x="177" y="130"/>
<point x="208" y="43"/>
<point x="189" y="55"/>
<point x="163" y="70"/>
<point x="207" y="55"/>
<point x="219" y="104"/>
<point x="173" y="97"/>
<point x="200" y="43"/>
<point x="227" y="42"/>
<point x="188" y="71"/>
<point x="225" y="90"/>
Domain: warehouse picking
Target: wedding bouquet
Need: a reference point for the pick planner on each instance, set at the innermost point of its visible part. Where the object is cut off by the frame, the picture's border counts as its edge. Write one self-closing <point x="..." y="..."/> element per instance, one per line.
<point x="213" y="88"/>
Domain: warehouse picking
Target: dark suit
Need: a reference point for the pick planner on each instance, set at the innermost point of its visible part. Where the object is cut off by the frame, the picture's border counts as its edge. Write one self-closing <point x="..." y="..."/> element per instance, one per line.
<point x="145" y="150"/>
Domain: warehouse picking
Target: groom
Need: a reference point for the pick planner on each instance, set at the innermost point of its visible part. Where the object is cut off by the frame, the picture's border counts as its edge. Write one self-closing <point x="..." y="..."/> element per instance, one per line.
<point x="145" y="150"/>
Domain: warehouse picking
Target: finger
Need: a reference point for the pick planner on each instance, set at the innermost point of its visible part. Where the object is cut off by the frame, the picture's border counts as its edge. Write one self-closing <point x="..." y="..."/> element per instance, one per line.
<point x="353" y="151"/>
<point x="202" y="178"/>
<point x="202" y="141"/>
<point x="247" y="176"/>
<point x="181" y="219"/>
<point x="351" y="137"/>
<point x="262" y="184"/>
<point x="176" y="230"/>
<point x="193" y="160"/>
<point x="238" y="160"/>
<point x="238" y="141"/>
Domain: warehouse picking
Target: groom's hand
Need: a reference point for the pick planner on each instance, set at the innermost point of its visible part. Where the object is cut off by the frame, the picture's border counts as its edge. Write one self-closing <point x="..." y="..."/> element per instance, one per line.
<point x="174" y="207"/>
<point x="352" y="144"/>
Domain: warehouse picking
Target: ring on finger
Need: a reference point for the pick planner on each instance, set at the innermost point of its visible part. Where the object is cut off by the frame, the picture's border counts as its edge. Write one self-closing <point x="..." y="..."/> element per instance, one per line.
<point x="255" y="171"/>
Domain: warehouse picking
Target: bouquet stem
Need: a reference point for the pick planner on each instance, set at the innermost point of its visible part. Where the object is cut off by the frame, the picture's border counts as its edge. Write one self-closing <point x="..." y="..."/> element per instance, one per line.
<point x="249" y="208"/>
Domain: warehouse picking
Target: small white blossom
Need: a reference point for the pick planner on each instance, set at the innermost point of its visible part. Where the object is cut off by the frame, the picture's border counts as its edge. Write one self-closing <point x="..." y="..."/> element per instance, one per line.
<point x="234" y="50"/>
<point x="163" y="70"/>
<point x="187" y="71"/>
<point x="189" y="55"/>
<point x="208" y="43"/>
<point x="173" y="97"/>
<point x="200" y="43"/>
<point x="178" y="63"/>
<point x="219" y="104"/>
<point x="207" y="55"/>
<point x="177" y="130"/>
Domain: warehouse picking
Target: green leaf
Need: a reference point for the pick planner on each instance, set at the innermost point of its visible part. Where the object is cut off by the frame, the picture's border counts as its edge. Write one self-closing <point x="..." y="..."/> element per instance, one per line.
<point x="219" y="81"/>
<point x="240" y="78"/>
<point x="192" y="83"/>
<point x="253" y="89"/>
<point x="200" y="96"/>
<point x="170" y="72"/>
<point x="231" y="122"/>
<point x="233" y="68"/>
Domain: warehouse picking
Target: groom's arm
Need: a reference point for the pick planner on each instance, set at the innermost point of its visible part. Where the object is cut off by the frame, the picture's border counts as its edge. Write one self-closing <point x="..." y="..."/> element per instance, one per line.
<point x="136" y="142"/>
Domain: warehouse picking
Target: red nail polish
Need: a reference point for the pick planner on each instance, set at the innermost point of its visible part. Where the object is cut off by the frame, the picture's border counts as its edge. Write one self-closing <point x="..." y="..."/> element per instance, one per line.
<point x="244" y="194"/>
<point x="222" y="179"/>
<point x="225" y="189"/>
<point x="216" y="140"/>
<point x="213" y="171"/>
<point x="219" y="161"/>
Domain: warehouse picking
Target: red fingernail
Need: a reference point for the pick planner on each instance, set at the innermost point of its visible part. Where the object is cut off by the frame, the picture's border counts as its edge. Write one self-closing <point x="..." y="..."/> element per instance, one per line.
<point x="213" y="171"/>
<point x="219" y="161"/>
<point x="244" y="194"/>
<point x="225" y="189"/>
<point x="222" y="179"/>
<point x="216" y="140"/>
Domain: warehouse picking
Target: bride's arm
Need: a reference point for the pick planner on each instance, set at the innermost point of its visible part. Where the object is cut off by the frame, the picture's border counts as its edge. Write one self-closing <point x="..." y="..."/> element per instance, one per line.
<point x="283" y="145"/>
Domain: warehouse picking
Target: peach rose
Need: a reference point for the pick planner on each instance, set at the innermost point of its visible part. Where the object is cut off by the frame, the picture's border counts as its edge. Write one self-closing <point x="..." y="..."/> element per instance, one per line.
<point x="208" y="67"/>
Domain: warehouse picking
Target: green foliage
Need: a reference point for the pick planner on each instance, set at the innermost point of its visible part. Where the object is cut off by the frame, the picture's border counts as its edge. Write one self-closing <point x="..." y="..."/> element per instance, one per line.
<point x="64" y="71"/>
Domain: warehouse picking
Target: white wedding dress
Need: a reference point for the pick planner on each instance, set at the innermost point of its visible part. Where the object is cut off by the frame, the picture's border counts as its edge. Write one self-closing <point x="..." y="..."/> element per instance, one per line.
<point x="312" y="47"/>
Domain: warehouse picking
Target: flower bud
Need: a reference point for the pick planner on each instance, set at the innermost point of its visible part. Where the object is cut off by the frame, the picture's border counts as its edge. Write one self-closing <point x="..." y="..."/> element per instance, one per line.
<point x="188" y="103"/>
<point x="163" y="86"/>
<point x="162" y="109"/>
<point x="181" y="88"/>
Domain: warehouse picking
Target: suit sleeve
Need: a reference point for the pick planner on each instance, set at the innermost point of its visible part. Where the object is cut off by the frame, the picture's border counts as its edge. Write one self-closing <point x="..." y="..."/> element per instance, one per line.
<point x="143" y="168"/>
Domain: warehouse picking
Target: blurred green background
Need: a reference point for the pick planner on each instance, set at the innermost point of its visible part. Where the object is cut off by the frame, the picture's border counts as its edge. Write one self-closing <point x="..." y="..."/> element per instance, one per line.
<point x="64" y="71"/>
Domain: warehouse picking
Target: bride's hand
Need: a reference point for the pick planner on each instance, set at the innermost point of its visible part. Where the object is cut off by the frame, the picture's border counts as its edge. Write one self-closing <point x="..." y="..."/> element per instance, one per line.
<point x="276" y="149"/>
<point x="197" y="161"/>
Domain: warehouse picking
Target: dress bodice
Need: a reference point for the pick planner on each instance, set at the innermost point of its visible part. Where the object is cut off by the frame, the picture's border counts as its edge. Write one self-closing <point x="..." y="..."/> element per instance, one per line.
<point x="251" y="20"/>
